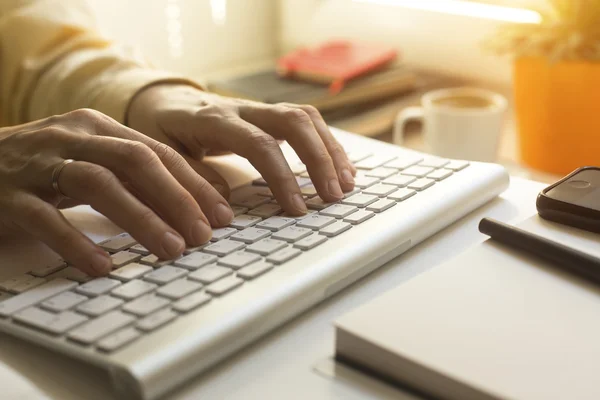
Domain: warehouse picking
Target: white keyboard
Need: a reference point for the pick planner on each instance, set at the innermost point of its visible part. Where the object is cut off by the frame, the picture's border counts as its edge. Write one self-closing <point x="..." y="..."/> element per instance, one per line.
<point x="143" y="295"/>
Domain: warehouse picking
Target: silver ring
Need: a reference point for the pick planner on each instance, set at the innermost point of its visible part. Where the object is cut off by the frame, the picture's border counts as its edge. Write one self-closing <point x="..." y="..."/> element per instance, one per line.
<point x="56" y="174"/>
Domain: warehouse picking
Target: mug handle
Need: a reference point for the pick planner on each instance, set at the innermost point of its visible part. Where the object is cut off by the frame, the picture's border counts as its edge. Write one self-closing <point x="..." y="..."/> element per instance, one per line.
<point x="404" y="117"/>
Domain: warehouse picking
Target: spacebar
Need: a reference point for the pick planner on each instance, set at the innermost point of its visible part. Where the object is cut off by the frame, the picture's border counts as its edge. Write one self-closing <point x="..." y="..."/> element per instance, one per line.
<point x="35" y="295"/>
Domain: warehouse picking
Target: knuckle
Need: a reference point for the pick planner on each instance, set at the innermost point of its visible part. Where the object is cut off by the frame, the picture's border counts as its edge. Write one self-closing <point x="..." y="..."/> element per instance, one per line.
<point x="167" y="154"/>
<point x="261" y="141"/>
<point x="138" y="154"/>
<point x="311" y="110"/>
<point x="33" y="212"/>
<point x="200" y="188"/>
<point x="86" y="114"/>
<point x="96" y="180"/>
<point x="56" y="133"/>
<point x="296" y="116"/>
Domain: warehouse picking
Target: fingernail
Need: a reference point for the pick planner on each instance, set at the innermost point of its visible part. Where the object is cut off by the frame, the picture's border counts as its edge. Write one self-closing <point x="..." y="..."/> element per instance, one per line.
<point x="201" y="232"/>
<point x="299" y="203"/>
<point x="334" y="189"/>
<point x="223" y="214"/>
<point x="101" y="263"/>
<point x="173" y="244"/>
<point x="347" y="176"/>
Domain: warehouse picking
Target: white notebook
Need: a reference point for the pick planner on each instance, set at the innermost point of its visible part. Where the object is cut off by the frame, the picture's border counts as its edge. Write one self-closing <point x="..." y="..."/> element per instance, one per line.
<point x="491" y="323"/>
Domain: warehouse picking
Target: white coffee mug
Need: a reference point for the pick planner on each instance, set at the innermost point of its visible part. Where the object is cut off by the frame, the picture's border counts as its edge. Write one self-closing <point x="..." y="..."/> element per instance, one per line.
<point x="458" y="123"/>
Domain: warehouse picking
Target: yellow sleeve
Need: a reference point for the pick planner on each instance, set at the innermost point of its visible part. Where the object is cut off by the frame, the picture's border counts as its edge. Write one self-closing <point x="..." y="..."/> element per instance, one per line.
<point x="53" y="61"/>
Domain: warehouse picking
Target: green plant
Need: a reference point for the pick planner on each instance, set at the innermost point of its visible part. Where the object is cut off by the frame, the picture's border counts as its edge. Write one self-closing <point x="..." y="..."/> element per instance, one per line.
<point x="569" y="30"/>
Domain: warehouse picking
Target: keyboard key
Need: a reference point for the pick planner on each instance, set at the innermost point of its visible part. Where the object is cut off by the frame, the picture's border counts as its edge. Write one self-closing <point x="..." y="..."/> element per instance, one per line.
<point x="192" y="301"/>
<point x="145" y="305"/>
<point x="138" y="248"/>
<point x="309" y="191"/>
<point x="118" y="339"/>
<point x="178" y="289"/>
<point x="317" y="203"/>
<point x="380" y="190"/>
<point x="299" y="217"/>
<point x="196" y="260"/>
<point x="239" y="259"/>
<point x="254" y="270"/>
<point x="434" y="162"/>
<point x="154" y="261"/>
<point x="303" y="181"/>
<point x="244" y="221"/>
<point x="238" y="210"/>
<point x="283" y="255"/>
<point x="35" y="295"/>
<point x="266" y="210"/>
<point x="404" y="162"/>
<point x="224" y="247"/>
<point x="381" y="172"/>
<point x="63" y="301"/>
<point x="245" y="192"/>
<point x="98" y="286"/>
<point x="402" y="194"/>
<point x="190" y="250"/>
<point x="310" y="242"/>
<point x="101" y="326"/>
<point x="210" y="273"/>
<point x="133" y="289"/>
<point x="335" y="229"/>
<point x="49" y="268"/>
<point x="131" y="271"/>
<point x="421" y="184"/>
<point x="362" y="182"/>
<point x="99" y="305"/>
<point x="357" y="155"/>
<point x="381" y="205"/>
<point x="5" y="296"/>
<point x="222" y="233"/>
<point x="252" y="201"/>
<point x="315" y="222"/>
<point x="165" y="274"/>
<point x="359" y="217"/>
<point x="298" y="168"/>
<point x="71" y="273"/>
<point x="440" y="174"/>
<point x="118" y="243"/>
<point x="266" y="246"/>
<point x="373" y="162"/>
<point x="399" y="180"/>
<point x="224" y="285"/>
<point x="360" y="200"/>
<point x="49" y="322"/>
<point x="260" y="182"/>
<point x="124" y="257"/>
<point x="156" y="320"/>
<point x="291" y="234"/>
<point x="251" y="235"/>
<point x="352" y="192"/>
<point x="9" y="283"/>
<point x="29" y="284"/>
<point x="276" y="223"/>
<point x="339" y="211"/>
<point x="417" y="171"/>
<point x="456" y="165"/>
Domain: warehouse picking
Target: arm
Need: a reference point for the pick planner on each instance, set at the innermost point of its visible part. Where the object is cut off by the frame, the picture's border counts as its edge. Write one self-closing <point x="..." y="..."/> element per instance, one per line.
<point x="52" y="60"/>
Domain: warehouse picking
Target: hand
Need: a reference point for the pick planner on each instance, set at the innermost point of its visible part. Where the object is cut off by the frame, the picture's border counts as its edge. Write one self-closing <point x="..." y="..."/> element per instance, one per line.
<point x="195" y="123"/>
<point x="142" y="185"/>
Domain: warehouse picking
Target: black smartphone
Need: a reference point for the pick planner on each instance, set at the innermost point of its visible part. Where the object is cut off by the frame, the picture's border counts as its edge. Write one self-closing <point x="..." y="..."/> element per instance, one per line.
<point x="574" y="200"/>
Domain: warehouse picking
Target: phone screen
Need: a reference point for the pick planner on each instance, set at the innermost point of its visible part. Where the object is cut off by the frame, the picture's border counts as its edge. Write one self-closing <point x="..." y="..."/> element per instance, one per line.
<point x="582" y="189"/>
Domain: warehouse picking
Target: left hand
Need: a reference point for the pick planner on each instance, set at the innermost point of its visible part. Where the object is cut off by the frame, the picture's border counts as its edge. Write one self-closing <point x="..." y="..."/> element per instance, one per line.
<point x="196" y="123"/>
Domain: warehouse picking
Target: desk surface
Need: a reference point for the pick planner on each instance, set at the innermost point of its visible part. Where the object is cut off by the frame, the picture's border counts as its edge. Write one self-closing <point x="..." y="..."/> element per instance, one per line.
<point x="281" y="365"/>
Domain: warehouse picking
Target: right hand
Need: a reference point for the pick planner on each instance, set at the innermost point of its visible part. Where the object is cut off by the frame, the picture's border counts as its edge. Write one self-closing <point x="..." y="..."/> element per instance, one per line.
<point x="142" y="185"/>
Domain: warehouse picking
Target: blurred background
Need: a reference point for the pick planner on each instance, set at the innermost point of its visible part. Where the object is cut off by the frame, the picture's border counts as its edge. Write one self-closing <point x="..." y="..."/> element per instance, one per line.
<point x="442" y="42"/>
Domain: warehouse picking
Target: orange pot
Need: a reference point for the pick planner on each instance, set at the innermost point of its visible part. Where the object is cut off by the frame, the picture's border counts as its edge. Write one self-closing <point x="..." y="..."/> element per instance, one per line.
<point x="558" y="113"/>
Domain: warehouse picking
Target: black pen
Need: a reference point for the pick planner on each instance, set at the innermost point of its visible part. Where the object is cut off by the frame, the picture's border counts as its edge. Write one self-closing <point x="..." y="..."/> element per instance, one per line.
<point x="564" y="257"/>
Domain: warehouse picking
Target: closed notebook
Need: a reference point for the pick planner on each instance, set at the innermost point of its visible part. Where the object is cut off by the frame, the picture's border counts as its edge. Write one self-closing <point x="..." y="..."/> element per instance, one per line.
<point x="267" y="86"/>
<point x="493" y="323"/>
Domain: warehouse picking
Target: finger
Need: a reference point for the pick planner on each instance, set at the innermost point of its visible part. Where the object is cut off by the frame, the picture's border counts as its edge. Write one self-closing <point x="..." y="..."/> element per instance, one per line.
<point x="212" y="176"/>
<point x="345" y="169"/>
<point x="295" y="126"/>
<point x="45" y="223"/>
<point x="262" y="151"/>
<point x="100" y="188"/>
<point x="140" y="166"/>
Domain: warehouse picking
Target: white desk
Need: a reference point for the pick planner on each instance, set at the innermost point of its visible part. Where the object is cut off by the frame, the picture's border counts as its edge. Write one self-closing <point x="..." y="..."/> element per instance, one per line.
<point x="281" y="364"/>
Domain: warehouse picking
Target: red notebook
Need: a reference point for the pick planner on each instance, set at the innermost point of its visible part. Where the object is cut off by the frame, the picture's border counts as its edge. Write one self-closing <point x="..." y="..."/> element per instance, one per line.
<point x="335" y="62"/>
